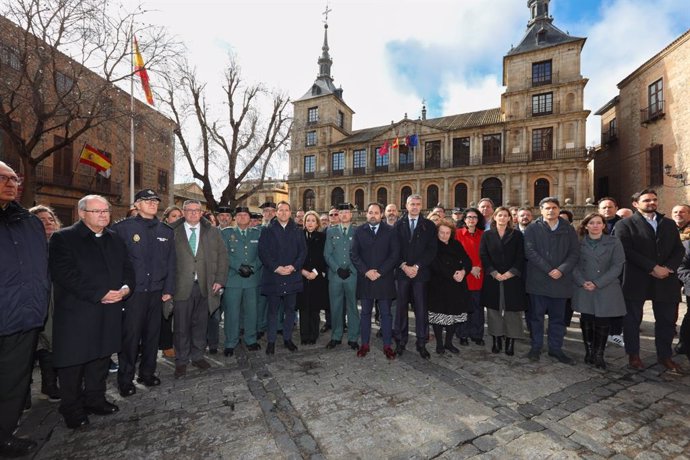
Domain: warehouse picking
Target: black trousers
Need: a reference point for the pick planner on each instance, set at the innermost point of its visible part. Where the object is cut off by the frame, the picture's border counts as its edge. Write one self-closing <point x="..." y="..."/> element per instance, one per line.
<point x="665" y="317"/>
<point x="82" y="385"/>
<point x="140" y="325"/>
<point x="309" y="320"/>
<point x="16" y="362"/>
<point x="414" y="291"/>
<point x="165" y="340"/>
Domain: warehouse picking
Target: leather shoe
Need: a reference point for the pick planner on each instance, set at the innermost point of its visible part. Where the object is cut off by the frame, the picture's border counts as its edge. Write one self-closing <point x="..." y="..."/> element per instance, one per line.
<point x="634" y="362"/>
<point x="104" y="408"/>
<point x="324" y="329"/>
<point x="169" y="353"/>
<point x="332" y="344"/>
<point x="152" y="381"/>
<point x="290" y="346"/>
<point x="259" y="335"/>
<point x="363" y="350"/>
<point x="534" y="355"/>
<point x="16" y="447"/>
<point x="213" y="351"/>
<point x="254" y="347"/>
<point x="561" y="357"/>
<point x="388" y="351"/>
<point x="228" y="352"/>
<point x="452" y="349"/>
<point x="353" y="345"/>
<point x="180" y="371"/>
<point x="74" y="422"/>
<point x="127" y="390"/>
<point x="479" y="342"/>
<point x="464" y="341"/>
<point x="423" y="352"/>
<point x="271" y="348"/>
<point x="201" y="364"/>
<point x="399" y="349"/>
<point x="671" y="366"/>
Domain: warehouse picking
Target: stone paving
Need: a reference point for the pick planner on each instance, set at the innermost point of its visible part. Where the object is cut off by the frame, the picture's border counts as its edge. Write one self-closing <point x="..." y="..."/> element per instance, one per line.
<point x="319" y="403"/>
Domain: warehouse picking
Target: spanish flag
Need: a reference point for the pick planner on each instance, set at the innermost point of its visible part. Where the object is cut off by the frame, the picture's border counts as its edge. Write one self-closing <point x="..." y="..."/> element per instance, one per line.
<point x="141" y="71"/>
<point x="396" y="144"/>
<point x="95" y="158"/>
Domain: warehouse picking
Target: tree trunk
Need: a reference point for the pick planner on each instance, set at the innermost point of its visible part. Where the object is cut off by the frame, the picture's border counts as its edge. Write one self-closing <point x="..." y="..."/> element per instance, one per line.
<point x="28" y="198"/>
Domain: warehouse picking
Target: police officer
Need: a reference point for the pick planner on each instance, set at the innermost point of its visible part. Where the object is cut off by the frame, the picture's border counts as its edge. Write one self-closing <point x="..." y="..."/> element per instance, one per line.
<point x="151" y="252"/>
<point x="342" y="279"/>
<point x="244" y="275"/>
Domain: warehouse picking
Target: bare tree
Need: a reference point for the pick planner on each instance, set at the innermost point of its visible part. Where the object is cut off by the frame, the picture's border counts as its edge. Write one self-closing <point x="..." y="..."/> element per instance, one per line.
<point x="61" y="62"/>
<point x="235" y="147"/>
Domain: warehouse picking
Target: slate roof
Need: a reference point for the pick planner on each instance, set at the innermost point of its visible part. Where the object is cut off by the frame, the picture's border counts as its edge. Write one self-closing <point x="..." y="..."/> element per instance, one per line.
<point x="553" y="36"/>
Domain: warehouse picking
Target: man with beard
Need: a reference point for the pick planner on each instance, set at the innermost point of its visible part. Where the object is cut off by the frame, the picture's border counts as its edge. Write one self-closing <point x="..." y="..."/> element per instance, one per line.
<point x="391" y="214"/>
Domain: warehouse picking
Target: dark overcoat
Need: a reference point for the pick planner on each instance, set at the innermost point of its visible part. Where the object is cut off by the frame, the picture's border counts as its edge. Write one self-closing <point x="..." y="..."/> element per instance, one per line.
<point x="645" y="249"/>
<point x="379" y="252"/>
<point x="446" y="295"/>
<point x="314" y="294"/>
<point x="502" y="255"/>
<point x="684" y="268"/>
<point x="418" y="248"/>
<point x="280" y="246"/>
<point x="84" y="268"/>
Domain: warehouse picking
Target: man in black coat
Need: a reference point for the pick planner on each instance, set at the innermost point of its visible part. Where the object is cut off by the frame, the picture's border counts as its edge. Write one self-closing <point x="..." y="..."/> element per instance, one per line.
<point x="374" y="253"/>
<point x="417" y="239"/>
<point x="91" y="277"/>
<point x="653" y="252"/>
<point x="151" y="250"/>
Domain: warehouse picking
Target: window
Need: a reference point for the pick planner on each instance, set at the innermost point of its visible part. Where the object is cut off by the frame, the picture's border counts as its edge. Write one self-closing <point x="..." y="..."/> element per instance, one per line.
<point x="359" y="199"/>
<point x="611" y="134"/>
<point x="162" y="181"/>
<point x="541" y="190"/>
<point x="382" y="196"/>
<point x="359" y="161"/>
<point x="432" y="154"/>
<point x="542" y="144"/>
<point x="461" y="151"/>
<point x="9" y="56"/>
<point x="137" y="174"/>
<point x="405" y="192"/>
<point x="541" y="73"/>
<point x="656" y="98"/>
<point x="542" y="104"/>
<point x="461" y="196"/>
<point x="656" y="165"/>
<point x="341" y="119"/>
<point x="64" y="213"/>
<point x="493" y="188"/>
<point x="309" y="200"/>
<point x="431" y="196"/>
<point x="337" y="196"/>
<point x="491" y="149"/>
<point x="63" y="83"/>
<point x="8" y="152"/>
<point x="312" y="115"/>
<point x="338" y="163"/>
<point x="381" y="161"/>
<point x="406" y="159"/>
<point x="311" y="138"/>
<point x="309" y="166"/>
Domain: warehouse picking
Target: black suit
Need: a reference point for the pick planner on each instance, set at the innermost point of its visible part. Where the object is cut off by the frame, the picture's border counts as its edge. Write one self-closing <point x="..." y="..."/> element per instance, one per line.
<point x="378" y="251"/>
<point x="418" y="248"/>
<point x="644" y="249"/>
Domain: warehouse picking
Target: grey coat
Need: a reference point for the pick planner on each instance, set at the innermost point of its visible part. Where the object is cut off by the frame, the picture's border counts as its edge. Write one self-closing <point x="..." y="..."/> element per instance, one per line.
<point x="603" y="266"/>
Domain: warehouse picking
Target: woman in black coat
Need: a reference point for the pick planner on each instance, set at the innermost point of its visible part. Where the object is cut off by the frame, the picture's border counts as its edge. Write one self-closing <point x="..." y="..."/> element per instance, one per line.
<point x="314" y="297"/>
<point x="503" y="293"/>
<point x="448" y="299"/>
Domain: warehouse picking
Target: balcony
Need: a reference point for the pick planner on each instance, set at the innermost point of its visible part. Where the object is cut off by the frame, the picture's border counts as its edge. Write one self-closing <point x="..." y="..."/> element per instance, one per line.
<point x="406" y="167"/>
<point x="545" y="155"/>
<point x="652" y="113"/>
<point x="91" y="183"/>
<point x="337" y="172"/>
<point x="381" y="169"/>
<point x="609" y="137"/>
<point x="359" y="171"/>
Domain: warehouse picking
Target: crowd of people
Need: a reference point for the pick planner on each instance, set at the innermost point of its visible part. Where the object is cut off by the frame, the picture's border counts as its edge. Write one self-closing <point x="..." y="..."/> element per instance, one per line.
<point x="75" y="296"/>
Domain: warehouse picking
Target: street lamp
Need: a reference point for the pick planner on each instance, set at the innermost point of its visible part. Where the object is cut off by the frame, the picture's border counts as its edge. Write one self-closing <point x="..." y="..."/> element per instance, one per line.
<point x="680" y="176"/>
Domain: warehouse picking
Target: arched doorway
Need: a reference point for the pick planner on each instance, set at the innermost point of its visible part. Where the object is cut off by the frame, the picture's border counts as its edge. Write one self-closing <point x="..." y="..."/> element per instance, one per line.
<point x="493" y="188"/>
<point x="431" y="196"/>
<point x="405" y="192"/>
<point x="460" y="196"/>
<point x="309" y="200"/>
<point x="541" y="190"/>
<point x="382" y="196"/>
<point x="359" y="199"/>
<point x="337" y="196"/>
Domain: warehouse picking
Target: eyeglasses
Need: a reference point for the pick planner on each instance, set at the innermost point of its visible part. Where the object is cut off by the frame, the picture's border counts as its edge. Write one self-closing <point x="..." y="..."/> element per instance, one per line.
<point x="193" y="211"/>
<point x="98" y="211"/>
<point x="333" y="215"/>
<point x="5" y="179"/>
<point x="471" y="217"/>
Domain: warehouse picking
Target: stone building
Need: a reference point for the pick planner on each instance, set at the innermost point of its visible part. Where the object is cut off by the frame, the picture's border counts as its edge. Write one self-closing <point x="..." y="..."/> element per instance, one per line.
<point x="530" y="147"/>
<point x="188" y="191"/>
<point x="644" y="131"/>
<point x="274" y="190"/>
<point x="60" y="179"/>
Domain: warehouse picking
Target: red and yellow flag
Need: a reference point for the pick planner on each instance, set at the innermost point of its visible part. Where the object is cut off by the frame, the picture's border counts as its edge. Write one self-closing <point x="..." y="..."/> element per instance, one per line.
<point x="396" y="143"/>
<point x="95" y="158"/>
<point x="141" y="71"/>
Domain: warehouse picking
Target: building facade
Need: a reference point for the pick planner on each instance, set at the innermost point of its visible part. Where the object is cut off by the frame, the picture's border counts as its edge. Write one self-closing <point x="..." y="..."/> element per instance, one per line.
<point x="645" y="139"/>
<point x="530" y="147"/>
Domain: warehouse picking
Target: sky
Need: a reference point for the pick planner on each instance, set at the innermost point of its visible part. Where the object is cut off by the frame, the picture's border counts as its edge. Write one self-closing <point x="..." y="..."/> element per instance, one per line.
<point x="391" y="55"/>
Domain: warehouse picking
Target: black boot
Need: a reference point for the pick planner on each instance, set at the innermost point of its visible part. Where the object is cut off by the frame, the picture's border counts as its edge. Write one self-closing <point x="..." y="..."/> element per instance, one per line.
<point x="587" y="328"/>
<point x="438" y="332"/>
<point x="49" y="385"/>
<point x="510" y="346"/>
<point x="450" y="332"/>
<point x="497" y="345"/>
<point x="601" y="334"/>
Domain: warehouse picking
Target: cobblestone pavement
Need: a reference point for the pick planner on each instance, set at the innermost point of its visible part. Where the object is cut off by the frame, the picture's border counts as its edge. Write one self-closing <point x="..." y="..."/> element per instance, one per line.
<point x="319" y="403"/>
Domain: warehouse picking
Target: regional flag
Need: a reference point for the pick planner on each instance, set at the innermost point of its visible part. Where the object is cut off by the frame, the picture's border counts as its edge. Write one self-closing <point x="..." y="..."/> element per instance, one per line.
<point x="141" y="71"/>
<point x="384" y="148"/>
<point x="91" y="156"/>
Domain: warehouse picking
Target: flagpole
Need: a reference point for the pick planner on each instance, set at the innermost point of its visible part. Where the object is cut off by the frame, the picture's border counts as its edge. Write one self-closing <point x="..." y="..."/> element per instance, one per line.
<point x="131" y="132"/>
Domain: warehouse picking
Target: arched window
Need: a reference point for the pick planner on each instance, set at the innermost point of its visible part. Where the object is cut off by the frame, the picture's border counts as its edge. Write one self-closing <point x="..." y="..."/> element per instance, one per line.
<point x="382" y="196"/>
<point x="337" y="196"/>
<point x="493" y="188"/>
<point x="309" y="200"/>
<point x="359" y="199"/>
<point x="541" y="190"/>
<point x="404" y="193"/>
<point x="431" y="196"/>
<point x="460" y="196"/>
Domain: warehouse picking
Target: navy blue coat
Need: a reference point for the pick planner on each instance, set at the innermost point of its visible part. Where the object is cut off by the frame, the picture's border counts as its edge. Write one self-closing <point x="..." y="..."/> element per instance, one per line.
<point x="280" y="246"/>
<point x="24" y="282"/>
<point x="419" y="249"/>
<point x="380" y="252"/>
<point x="151" y="250"/>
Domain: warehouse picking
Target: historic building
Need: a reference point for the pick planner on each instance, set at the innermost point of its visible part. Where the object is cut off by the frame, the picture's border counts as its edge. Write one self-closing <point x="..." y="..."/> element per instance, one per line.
<point x="530" y="147"/>
<point x="274" y="190"/>
<point x="60" y="179"/>
<point x="644" y="131"/>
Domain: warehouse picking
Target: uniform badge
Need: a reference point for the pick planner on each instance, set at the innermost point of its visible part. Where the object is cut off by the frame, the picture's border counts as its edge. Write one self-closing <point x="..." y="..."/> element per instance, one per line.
<point x="233" y="238"/>
<point x="136" y="238"/>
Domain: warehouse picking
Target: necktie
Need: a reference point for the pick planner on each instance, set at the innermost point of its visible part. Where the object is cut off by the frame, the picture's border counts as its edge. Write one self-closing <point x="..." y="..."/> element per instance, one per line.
<point x="192" y="240"/>
<point x="412" y="225"/>
<point x="244" y="233"/>
<point x="373" y="229"/>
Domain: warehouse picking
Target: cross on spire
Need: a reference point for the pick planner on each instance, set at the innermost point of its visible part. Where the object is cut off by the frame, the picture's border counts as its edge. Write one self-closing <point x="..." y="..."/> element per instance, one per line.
<point x="325" y="14"/>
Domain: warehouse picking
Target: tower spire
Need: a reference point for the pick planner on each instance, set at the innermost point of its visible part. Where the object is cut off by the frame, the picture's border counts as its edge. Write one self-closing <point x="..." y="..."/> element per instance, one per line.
<point x="539" y="11"/>
<point x="325" y="61"/>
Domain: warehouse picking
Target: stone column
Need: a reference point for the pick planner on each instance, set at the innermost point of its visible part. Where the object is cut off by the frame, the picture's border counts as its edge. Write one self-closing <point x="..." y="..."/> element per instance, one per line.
<point x="524" y="193"/>
<point x="561" y="186"/>
<point x="476" y="191"/>
<point x="506" y="190"/>
<point x="444" y="194"/>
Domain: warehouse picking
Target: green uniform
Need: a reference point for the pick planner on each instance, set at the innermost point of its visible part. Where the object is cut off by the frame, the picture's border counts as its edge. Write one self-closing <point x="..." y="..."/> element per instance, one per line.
<point x="240" y="292"/>
<point x="342" y="292"/>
